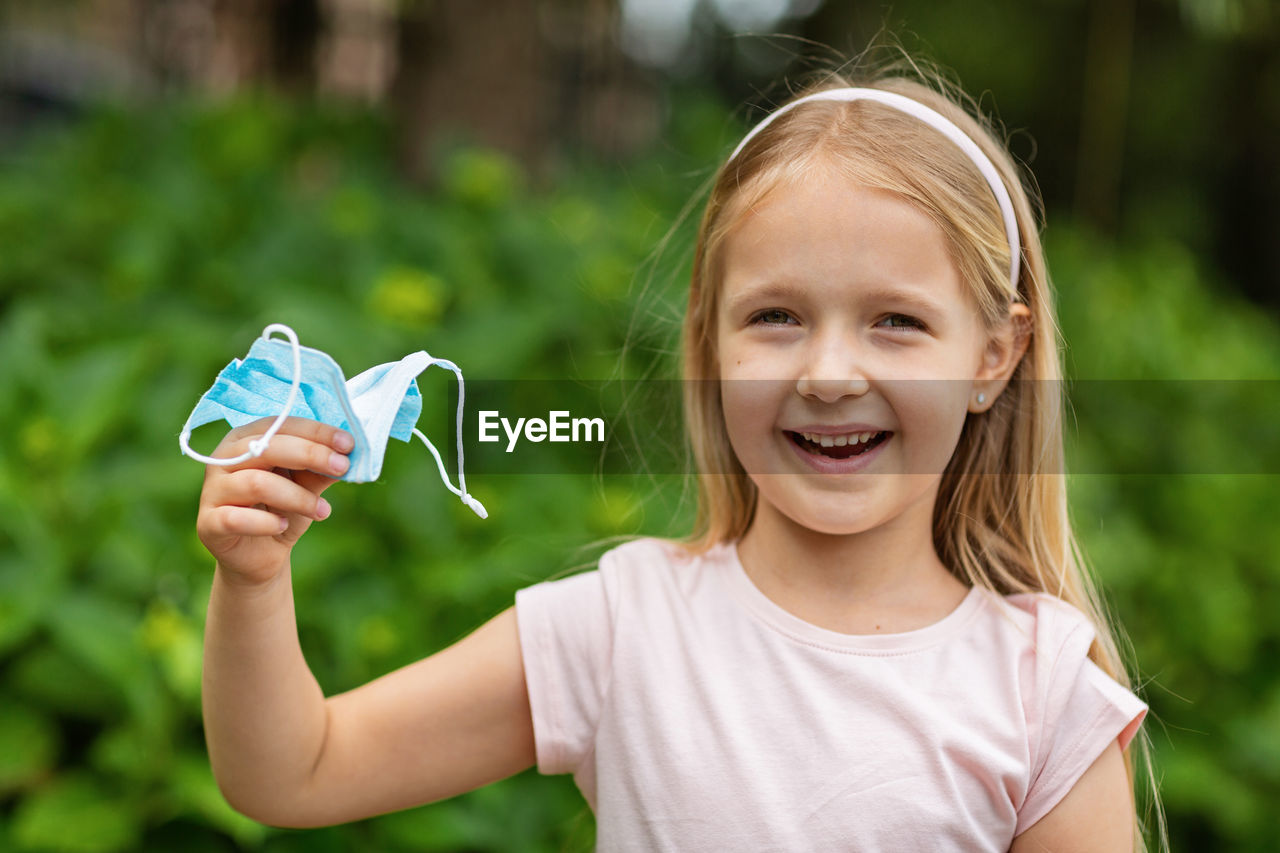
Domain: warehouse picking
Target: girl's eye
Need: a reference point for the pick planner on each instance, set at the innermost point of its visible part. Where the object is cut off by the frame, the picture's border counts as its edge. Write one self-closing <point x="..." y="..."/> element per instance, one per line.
<point x="901" y="321"/>
<point x="773" y="317"/>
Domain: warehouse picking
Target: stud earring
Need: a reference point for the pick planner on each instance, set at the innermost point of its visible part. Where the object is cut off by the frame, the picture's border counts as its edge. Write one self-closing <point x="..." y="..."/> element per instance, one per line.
<point x="982" y="398"/>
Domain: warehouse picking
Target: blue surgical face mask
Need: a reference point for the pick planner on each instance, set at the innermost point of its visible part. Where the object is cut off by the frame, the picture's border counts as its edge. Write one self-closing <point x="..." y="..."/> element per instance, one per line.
<point x="282" y="379"/>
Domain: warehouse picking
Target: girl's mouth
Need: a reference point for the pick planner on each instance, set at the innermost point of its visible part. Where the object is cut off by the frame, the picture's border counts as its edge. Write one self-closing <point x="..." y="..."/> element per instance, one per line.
<point x="838" y="446"/>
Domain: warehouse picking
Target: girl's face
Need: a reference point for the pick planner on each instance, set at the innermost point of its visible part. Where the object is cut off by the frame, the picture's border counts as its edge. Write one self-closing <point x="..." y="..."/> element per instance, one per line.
<point x="850" y="353"/>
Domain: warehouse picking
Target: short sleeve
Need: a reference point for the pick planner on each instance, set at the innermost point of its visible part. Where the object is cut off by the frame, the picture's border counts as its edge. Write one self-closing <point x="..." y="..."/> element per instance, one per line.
<point x="566" y="643"/>
<point x="1078" y="710"/>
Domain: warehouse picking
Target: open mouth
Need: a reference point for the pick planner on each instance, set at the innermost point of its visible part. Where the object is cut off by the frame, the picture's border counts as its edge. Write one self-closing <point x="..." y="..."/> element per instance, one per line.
<point x="839" y="446"/>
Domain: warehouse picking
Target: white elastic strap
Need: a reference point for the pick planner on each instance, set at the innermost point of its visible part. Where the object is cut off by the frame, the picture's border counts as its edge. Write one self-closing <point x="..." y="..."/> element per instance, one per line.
<point x="937" y="121"/>
<point x="461" y="489"/>
<point x="259" y="445"/>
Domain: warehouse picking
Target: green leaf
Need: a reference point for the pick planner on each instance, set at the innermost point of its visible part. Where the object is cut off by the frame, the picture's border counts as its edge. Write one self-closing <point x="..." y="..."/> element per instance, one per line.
<point x="100" y="632"/>
<point x="28" y="746"/>
<point x="133" y="753"/>
<point x="26" y="593"/>
<point x="53" y="679"/>
<point x="75" y="814"/>
<point x="176" y="643"/>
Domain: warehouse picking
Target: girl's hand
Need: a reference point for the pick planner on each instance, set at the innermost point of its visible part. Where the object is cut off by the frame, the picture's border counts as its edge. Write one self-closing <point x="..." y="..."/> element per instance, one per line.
<point x="251" y="514"/>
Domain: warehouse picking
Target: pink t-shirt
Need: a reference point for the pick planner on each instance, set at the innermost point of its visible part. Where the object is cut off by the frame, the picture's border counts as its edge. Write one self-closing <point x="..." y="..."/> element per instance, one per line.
<point x="696" y="714"/>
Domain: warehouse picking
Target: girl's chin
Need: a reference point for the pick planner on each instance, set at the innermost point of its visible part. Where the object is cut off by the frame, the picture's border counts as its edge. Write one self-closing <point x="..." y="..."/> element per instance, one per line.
<point x="826" y="507"/>
<point x="838" y="526"/>
<point x="823" y="516"/>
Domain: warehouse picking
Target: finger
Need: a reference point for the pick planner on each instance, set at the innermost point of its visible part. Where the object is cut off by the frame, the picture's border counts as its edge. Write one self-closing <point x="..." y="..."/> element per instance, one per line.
<point x="250" y="487"/>
<point x="228" y="522"/>
<point x="295" y="453"/>
<point x="314" y="483"/>
<point x="309" y="480"/>
<point x="338" y="439"/>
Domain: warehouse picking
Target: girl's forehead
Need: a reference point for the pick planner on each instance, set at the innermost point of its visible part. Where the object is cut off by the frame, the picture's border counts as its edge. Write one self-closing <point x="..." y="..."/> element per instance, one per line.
<point x="819" y="225"/>
<point x="827" y="193"/>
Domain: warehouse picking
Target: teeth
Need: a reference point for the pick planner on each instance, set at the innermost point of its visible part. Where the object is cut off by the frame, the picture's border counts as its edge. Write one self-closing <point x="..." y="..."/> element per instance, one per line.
<point x="839" y="440"/>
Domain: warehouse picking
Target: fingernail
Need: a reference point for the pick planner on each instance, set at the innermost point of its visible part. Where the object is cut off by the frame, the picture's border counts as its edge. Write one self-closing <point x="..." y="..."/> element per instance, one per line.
<point x="284" y="524"/>
<point x="322" y="509"/>
<point x="344" y="442"/>
<point x="338" y="462"/>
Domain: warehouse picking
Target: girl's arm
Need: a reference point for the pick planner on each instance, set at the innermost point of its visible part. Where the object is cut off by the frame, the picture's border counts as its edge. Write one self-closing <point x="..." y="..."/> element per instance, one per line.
<point x="1095" y="816"/>
<point x="283" y="754"/>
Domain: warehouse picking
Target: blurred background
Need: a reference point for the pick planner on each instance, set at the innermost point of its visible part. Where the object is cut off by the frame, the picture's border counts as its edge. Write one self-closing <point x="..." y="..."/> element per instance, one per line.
<point x="505" y="184"/>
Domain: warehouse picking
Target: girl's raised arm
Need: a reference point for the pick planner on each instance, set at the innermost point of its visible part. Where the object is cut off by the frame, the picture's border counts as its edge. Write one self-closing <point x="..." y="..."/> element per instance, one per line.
<point x="282" y="753"/>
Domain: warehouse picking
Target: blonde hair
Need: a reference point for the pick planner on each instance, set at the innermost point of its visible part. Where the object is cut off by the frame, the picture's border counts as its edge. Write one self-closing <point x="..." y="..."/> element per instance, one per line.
<point x="1000" y="520"/>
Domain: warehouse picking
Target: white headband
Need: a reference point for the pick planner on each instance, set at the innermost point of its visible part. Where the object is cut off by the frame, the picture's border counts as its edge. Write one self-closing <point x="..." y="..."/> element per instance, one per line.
<point x="938" y="122"/>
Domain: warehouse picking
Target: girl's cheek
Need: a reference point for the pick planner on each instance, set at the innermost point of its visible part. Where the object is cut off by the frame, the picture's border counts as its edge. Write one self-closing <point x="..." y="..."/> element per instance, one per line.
<point x="924" y="395"/>
<point x="754" y="359"/>
<point x="738" y="362"/>
<point x="750" y="404"/>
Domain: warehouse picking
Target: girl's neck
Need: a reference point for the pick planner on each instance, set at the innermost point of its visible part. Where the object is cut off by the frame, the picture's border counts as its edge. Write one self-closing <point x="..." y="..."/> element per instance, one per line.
<point x="887" y="579"/>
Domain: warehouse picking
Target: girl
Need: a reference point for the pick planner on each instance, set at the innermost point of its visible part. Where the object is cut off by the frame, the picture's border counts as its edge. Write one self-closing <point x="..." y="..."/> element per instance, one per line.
<point x="880" y="636"/>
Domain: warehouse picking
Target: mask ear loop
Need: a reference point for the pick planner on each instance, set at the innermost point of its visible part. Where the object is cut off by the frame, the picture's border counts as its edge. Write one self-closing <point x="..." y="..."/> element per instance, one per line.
<point x="259" y="445"/>
<point x="461" y="489"/>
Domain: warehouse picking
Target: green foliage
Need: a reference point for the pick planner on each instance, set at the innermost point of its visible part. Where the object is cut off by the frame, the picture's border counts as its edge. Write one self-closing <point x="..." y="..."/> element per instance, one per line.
<point x="143" y="250"/>
<point x="1176" y="395"/>
<point x="75" y="813"/>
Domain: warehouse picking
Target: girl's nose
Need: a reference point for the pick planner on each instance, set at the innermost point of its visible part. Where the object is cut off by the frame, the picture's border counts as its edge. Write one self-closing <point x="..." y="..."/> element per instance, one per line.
<point x="832" y="371"/>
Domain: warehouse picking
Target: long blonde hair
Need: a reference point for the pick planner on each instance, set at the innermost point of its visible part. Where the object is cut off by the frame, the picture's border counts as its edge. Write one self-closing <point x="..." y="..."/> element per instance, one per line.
<point x="1000" y="520"/>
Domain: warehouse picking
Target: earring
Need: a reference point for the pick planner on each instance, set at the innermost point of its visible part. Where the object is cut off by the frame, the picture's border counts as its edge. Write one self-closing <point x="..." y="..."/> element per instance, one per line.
<point x="982" y="398"/>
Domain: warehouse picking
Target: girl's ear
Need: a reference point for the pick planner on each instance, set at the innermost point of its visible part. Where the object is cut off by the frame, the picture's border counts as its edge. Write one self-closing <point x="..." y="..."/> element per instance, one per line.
<point x="1004" y="350"/>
